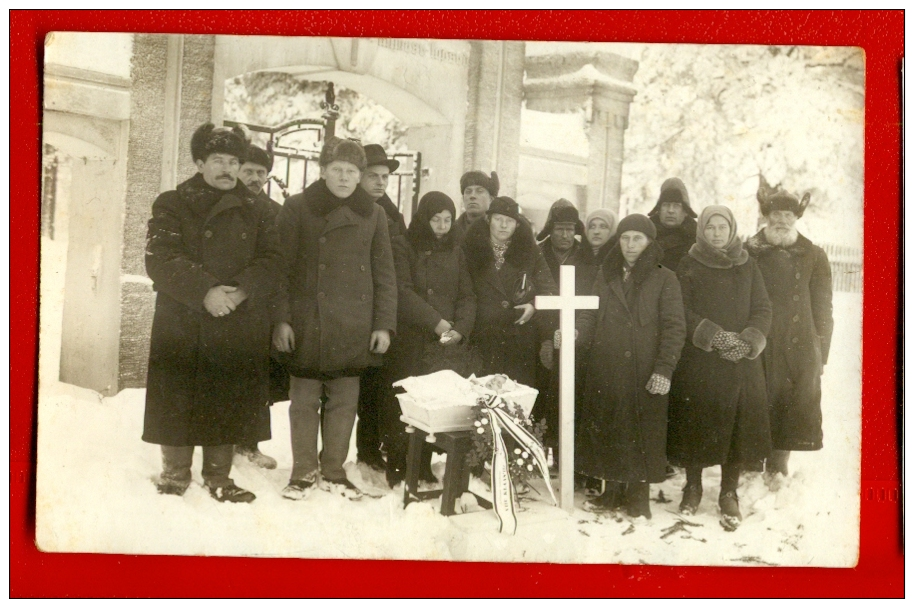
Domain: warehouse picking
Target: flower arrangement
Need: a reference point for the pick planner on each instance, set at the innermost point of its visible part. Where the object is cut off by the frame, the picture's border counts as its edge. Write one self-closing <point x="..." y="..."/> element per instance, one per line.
<point x="521" y="463"/>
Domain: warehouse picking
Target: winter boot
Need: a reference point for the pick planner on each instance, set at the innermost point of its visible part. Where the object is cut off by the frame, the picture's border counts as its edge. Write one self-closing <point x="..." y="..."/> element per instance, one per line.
<point x="254" y="455"/>
<point x="395" y="476"/>
<point x="691" y="492"/>
<point x="299" y="489"/>
<point x="374" y="460"/>
<point x="231" y="493"/>
<point x="611" y="499"/>
<point x="168" y="487"/>
<point x="777" y="462"/>
<point x="638" y="500"/>
<point x="730" y="516"/>
<point x="342" y="487"/>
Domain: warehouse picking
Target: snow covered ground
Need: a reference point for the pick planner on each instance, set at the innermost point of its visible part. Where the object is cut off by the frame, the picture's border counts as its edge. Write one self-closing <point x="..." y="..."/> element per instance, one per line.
<point x="96" y="494"/>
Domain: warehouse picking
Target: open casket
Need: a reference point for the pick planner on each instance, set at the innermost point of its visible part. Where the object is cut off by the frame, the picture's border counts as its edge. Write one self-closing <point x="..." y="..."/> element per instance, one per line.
<point x="443" y="401"/>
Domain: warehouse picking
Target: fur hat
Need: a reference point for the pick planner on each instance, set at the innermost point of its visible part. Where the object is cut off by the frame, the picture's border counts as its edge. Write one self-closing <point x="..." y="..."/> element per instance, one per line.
<point x="562" y="211"/>
<point x="673" y="190"/>
<point x="637" y="222"/>
<point x="479" y="178"/>
<point x="337" y="148"/>
<point x="505" y="206"/>
<point x="782" y="200"/>
<point x="377" y="156"/>
<point x="259" y="156"/>
<point x="210" y="139"/>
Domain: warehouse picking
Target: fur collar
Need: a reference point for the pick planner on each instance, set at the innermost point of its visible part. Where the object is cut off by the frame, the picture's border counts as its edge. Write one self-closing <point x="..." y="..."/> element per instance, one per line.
<point x="586" y="255"/>
<point x="647" y="263"/>
<point x="389" y="208"/>
<point x="758" y="245"/>
<point x="479" y="252"/>
<point x="196" y="188"/>
<point x="684" y="233"/>
<point x="322" y="202"/>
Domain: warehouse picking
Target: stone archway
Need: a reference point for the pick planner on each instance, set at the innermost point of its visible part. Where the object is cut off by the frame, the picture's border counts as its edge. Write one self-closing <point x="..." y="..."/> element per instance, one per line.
<point x="422" y="82"/>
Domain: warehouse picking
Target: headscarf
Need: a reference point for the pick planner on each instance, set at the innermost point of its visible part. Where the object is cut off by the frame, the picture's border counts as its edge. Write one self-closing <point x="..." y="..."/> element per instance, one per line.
<point x="732" y="254"/>
<point x="420" y="233"/>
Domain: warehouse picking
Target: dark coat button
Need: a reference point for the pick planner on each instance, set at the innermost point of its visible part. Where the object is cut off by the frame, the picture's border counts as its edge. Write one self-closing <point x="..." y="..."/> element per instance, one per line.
<point x="244" y="235"/>
<point x="431" y="292"/>
<point x="795" y="340"/>
<point x="798" y="276"/>
<point x="321" y="294"/>
<point x="323" y="240"/>
<point x="796" y="298"/>
<point x="362" y="268"/>
<point x="208" y="234"/>
<point x="428" y="252"/>
<point x="796" y="318"/>
<point x="628" y="354"/>
<point x="321" y="266"/>
<point x="505" y="304"/>
<point x="364" y="297"/>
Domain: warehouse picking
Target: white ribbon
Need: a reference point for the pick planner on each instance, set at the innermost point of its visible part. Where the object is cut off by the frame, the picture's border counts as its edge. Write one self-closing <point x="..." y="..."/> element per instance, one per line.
<point x="503" y="492"/>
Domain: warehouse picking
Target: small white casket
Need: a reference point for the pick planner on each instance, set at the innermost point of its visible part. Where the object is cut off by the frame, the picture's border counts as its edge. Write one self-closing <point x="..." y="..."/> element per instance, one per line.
<point x="443" y="401"/>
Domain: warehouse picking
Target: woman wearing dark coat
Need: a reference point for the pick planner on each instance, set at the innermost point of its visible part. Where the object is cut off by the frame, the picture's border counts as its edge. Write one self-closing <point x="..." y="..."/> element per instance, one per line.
<point x="718" y="405"/>
<point x="213" y="254"/>
<point x="634" y="341"/>
<point x="436" y="310"/>
<point x="508" y="271"/>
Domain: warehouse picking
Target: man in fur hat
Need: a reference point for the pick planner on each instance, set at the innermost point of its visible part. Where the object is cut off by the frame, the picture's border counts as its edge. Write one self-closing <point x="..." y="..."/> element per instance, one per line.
<point x="213" y="254"/>
<point x="254" y="173"/>
<point x="371" y="385"/>
<point x="798" y="280"/>
<point x="674" y="219"/>
<point x="558" y="245"/>
<point x="336" y="313"/>
<point x="478" y="190"/>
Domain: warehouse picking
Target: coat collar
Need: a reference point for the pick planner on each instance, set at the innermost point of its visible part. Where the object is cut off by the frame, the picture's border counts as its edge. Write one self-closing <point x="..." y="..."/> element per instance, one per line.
<point x="758" y="245"/>
<point x="207" y="201"/>
<point x="647" y="263"/>
<point x="322" y="202"/>
<point x="479" y="252"/>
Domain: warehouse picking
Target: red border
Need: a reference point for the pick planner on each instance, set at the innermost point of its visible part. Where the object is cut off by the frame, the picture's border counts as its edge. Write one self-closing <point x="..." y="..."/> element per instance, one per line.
<point x="880" y="570"/>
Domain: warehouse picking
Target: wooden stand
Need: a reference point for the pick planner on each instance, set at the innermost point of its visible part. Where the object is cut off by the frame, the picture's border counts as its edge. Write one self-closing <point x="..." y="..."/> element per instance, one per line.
<point x="456" y="473"/>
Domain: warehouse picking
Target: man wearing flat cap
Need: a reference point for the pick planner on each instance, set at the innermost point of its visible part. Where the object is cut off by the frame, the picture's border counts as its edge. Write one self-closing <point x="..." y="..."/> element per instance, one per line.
<point x="674" y="219"/>
<point x="798" y="280"/>
<point x="478" y="191"/>
<point x="213" y="254"/>
<point x="336" y="313"/>
<point x="371" y="385"/>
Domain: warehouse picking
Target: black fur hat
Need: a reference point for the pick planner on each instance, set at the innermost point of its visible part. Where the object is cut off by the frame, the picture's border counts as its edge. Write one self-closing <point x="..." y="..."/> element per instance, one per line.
<point x="782" y="200"/>
<point x="210" y="139"/>
<point x="562" y="211"/>
<point x="259" y="156"/>
<point x="490" y="184"/>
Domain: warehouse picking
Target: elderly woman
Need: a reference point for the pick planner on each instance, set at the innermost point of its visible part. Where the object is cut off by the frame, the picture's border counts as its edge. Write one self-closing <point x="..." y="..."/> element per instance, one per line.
<point x="436" y="309"/>
<point x="508" y="271"/>
<point x="634" y="341"/>
<point x="718" y="406"/>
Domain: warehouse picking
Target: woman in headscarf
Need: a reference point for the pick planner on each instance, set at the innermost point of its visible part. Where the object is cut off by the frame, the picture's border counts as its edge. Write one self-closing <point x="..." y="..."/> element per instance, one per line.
<point x="634" y="338"/>
<point x="508" y="271"/>
<point x="718" y="405"/>
<point x="599" y="229"/>
<point x="436" y="310"/>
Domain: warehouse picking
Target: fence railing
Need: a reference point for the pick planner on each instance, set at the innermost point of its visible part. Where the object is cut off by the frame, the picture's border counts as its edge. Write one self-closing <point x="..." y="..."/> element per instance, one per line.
<point x="846" y="267"/>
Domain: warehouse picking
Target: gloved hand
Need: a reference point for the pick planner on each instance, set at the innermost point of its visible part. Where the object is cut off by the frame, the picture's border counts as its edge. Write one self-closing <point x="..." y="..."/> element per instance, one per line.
<point x="557" y="338"/>
<point x="546" y="353"/>
<point x="658" y="384"/>
<point x="724" y="340"/>
<point x="736" y="352"/>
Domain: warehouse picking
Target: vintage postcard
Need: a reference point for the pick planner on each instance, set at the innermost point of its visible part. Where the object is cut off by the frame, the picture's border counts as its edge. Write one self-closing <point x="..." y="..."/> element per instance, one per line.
<point x="246" y="241"/>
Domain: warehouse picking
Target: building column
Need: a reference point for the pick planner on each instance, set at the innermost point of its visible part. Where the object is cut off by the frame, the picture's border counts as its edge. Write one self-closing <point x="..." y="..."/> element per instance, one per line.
<point x="495" y="96"/>
<point x="607" y="141"/>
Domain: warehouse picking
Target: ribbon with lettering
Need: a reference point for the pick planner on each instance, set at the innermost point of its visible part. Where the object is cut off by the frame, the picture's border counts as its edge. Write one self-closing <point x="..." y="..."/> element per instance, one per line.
<point x="503" y="493"/>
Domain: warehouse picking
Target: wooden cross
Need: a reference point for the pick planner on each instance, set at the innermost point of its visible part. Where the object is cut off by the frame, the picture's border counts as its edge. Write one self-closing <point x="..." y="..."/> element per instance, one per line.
<point x="567" y="303"/>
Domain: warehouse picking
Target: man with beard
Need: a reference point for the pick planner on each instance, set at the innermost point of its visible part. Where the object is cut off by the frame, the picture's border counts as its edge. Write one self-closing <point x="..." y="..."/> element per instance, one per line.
<point x="213" y="254"/>
<point x="477" y="190"/>
<point x="798" y="279"/>
<point x="675" y="221"/>
<point x="254" y="173"/>
<point x="371" y="385"/>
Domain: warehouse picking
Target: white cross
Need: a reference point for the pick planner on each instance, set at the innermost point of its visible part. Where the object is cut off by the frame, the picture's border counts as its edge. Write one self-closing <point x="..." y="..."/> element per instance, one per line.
<point x="566" y="302"/>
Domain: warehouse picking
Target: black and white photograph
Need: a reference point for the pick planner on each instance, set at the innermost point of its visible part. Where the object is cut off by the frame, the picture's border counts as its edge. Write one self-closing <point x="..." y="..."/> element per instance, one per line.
<point x="442" y="299"/>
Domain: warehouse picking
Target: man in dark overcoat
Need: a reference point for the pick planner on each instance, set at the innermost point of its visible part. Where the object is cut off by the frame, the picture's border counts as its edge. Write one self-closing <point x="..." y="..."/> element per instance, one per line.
<point x="337" y="312"/>
<point x="675" y="221"/>
<point x="213" y="254"/>
<point x="371" y="384"/>
<point x="558" y="245"/>
<point x="478" y="190"/>
<point x="254" y="173"/>
<point x="798" y="279"/>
